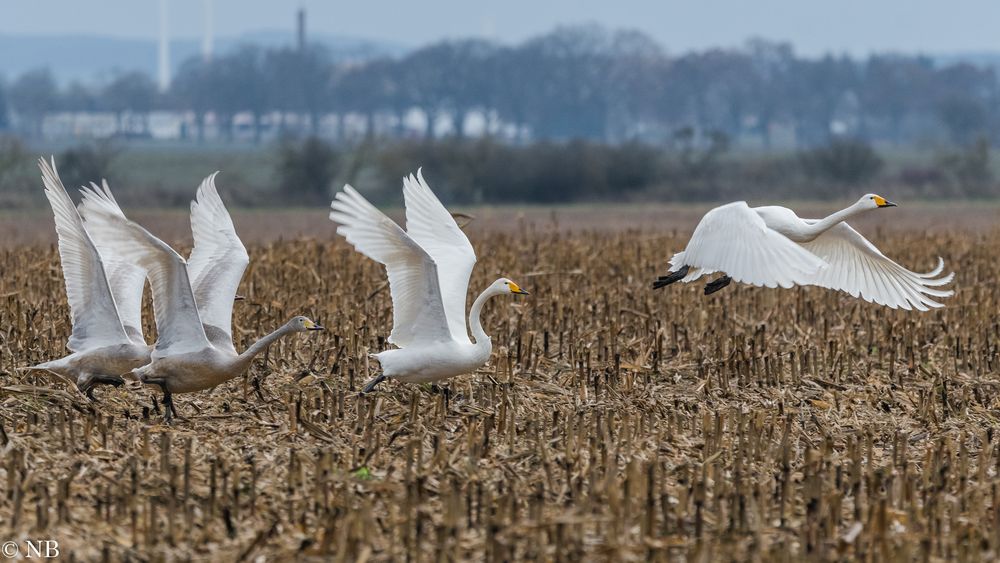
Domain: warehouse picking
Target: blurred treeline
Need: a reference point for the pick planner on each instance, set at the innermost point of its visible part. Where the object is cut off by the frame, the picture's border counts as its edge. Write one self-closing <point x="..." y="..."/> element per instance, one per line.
<point x="579" y="114"/>
<point x="573" y="83"/>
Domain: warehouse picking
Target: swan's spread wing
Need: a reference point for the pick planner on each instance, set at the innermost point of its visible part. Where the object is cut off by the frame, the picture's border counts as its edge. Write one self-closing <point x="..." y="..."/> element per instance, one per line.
<point x="860" y="269"/>
<point x="217" y="262"/>
<point x="178" y="324"/>
<point x="435" y="230"/>
<point x="127" y="281"/>
<point x="417" y="311"/>
<point x="92" y="306"/>
<point x="734" y="239"/>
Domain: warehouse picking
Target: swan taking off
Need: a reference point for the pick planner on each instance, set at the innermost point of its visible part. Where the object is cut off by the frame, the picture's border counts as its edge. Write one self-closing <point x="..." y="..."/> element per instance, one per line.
<point x="771" y="246"/>
<point x="192" y="300"/>
<point x="105" y="299"/>
<point x="428" y="266"/>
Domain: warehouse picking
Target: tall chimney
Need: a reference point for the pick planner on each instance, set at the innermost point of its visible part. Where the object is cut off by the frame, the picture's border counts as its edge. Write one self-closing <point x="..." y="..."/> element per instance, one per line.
<point x="302" y="29"/>
<point x="208" y="39"/>
<point x="164" y="50"/>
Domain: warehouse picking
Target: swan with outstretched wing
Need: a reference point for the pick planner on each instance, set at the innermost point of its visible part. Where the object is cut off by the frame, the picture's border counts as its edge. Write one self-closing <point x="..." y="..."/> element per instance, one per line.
<point x="104" y="291"/>
<point x="771" y="247"/>
<point x="192" y="300"/>
<point x="428" y="267"/>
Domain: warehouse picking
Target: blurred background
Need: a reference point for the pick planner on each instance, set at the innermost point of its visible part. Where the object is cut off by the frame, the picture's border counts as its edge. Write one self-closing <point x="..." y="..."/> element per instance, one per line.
<point x="532" y="102"/>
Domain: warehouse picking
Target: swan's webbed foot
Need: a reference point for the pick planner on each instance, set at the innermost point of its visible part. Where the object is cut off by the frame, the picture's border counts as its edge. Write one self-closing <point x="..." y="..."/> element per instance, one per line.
<point x="436" y="389"/>
<point x="169" y="411"/>
<point x="670" y="278"/>
<point x="371" y="384"/>
<point x="443" y="390"/>
<point x="255" y="383"/>
<point x="717" y="284"/>
<point x="88" y="386"/>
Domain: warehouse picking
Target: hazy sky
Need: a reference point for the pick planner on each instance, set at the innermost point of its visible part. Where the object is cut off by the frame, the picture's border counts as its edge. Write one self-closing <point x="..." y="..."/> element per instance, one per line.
<point x="813" y="26"/>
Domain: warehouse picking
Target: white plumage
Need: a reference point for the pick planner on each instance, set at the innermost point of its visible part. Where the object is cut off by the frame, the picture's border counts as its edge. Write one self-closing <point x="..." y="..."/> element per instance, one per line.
<point x="105" y="298"/>
<point x="771" y="246"/>
<point x="194" y="348"/>
<point x="430" y="225"/>
<point x="216" y="264"/>
<point x="736" y="240"/>
<point x="428" y="267"/>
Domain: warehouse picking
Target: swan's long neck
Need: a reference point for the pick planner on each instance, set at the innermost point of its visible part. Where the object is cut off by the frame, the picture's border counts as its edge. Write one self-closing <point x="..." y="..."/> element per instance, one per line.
<point x="477" y="327"/>
<point x="828" y="222"/>
<point x="257" y="347"/>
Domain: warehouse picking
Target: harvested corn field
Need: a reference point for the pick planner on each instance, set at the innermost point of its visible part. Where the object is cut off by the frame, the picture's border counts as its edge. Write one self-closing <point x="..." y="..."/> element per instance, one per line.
<point x="612" y="421"/>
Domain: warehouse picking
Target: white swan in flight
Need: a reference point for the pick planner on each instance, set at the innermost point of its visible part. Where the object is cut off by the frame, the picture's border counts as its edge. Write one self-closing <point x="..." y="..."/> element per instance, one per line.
<point x="192" y="300"/>
<point x="771" y="246"/>
<point x="105" y="299"/>
<point x="428" y="267"/>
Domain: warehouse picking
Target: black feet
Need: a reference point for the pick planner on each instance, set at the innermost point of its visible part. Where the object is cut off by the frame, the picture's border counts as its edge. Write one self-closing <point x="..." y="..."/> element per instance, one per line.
<point x="88" y="387"/>
<point x="371" y="384"/>
<point x="710" y="288"/>
<point x="717" y="284"/>
<point x="169" y="411"/>
<point x="168" y="402"/>
<point x="444" y="391"/>
<point x="670" y="278"/>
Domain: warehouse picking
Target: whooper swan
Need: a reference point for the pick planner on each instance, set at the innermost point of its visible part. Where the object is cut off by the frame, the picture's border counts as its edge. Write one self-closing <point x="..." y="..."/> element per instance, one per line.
<point x="192" y="301"/>
<point x="428" y="267"/>
<point x="771" y="246"/>
<point x="105" y="298"/>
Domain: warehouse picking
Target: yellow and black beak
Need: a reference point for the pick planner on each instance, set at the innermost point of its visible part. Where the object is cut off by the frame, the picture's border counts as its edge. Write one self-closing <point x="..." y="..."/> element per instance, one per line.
<point x="313" y="326"/>
<point x="882" y="202"/>
<point x="516" y="289"/>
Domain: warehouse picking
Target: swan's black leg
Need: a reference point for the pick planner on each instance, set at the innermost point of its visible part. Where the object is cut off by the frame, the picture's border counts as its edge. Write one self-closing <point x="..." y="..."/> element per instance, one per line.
<point x="94" y="380"/>
<point x="442" y="390"/>
<point x="168" y="401"/>
<point x="112" y="380"/>
<point x="255" y="382"/>
<point x="371" y="384"/>
<point x="670" y="278"/>
<point x="88" y="390"/>
<point x="717" y="284"/>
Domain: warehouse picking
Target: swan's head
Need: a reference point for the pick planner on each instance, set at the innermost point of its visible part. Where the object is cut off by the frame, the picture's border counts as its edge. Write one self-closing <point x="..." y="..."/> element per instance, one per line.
<point x="874" y="201"/>
<point x="302" y="324"/>
<point x="504" y="285"/>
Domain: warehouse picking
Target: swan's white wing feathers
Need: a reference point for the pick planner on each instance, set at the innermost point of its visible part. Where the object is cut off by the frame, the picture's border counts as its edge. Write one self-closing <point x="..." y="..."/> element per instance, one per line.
<point x="178" y="324"/>
<point x="859" y="268"/>
<point x="127" y="281"/>
<point x="92" y="305"/>
<point x="217" y="262"/>
<point x="734" y="239"/>
<point x="417" y="311"/>
<point x="430" y="224"/>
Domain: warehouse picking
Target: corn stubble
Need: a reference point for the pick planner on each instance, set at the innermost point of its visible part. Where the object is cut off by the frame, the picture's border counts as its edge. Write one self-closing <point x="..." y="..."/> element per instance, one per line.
<point x="611" y="422"/>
